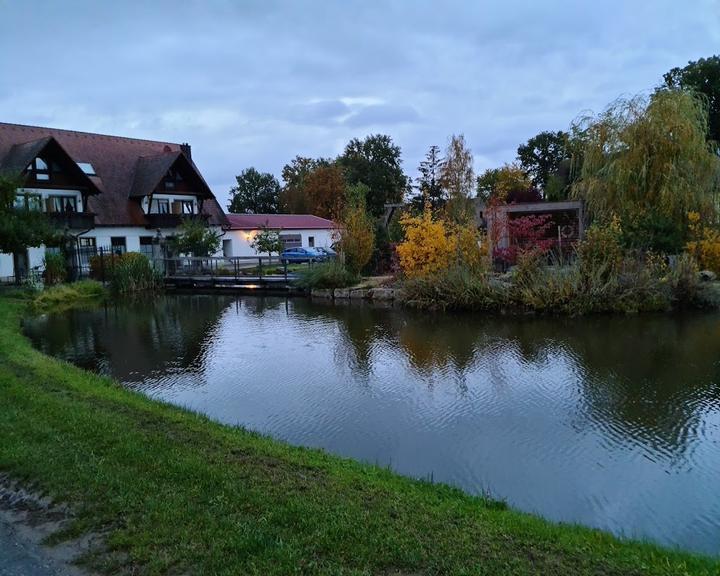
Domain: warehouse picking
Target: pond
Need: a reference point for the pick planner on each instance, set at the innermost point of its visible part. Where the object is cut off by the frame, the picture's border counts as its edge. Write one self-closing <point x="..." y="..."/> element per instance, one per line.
<point x="611" y="422"/>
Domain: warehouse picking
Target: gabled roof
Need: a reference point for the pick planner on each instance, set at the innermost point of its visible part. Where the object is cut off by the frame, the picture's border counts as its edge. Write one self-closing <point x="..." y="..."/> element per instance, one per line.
<point x="150" y="170"/>
<point x="114" y="159"/>
<point x="21" y="155"/>
<point x="279" y="222"/>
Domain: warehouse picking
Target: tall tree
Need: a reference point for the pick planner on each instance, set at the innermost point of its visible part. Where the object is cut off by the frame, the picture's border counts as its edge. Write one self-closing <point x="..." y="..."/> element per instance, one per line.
<point x="647" y="160"/>
<point x="255" y="193"/>
<point x="429" y="183"/>
<point x="293" y="197"/>
<point x="458" y="178"/>
<point x="542" y="156"/>
<point x="703" y="77"/>
<point x="325" y="191"/>
<point x="376" y="162"/>
<point x="21" y="227"/>
<point x="506" y="185"/>
<point x="196" y="238"/>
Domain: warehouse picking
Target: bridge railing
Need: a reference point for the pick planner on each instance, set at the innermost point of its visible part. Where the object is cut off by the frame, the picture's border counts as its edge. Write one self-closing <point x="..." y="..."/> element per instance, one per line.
<point x="238" y="267"/>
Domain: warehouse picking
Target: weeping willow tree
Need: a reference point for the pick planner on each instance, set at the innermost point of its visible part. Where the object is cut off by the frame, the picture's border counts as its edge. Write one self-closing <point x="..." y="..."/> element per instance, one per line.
<point x="647" y="161"/>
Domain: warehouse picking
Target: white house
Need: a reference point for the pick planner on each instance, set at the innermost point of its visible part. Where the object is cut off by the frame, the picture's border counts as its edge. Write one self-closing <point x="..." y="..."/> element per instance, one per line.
<point x="296" y="230"/>
<point x="122" y="194"/>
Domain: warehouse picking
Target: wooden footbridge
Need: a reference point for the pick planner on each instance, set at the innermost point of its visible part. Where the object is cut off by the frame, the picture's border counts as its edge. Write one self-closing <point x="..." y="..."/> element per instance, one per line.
<point x="227" y="274"/>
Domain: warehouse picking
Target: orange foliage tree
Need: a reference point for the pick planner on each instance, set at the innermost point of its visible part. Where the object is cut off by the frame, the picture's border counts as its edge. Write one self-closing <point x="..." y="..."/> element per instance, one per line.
<point x="429" y="247"/>
<point x="325" y="191"/>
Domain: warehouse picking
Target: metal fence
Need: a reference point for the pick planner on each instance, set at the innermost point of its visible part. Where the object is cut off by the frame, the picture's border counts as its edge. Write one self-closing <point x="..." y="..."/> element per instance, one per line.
<point x="237" y="268"/>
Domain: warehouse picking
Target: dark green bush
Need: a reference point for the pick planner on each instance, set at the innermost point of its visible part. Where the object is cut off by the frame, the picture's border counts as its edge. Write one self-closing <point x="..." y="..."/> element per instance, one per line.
<point x="327" y="275"/>
<point x="56" y="270"/>
<point x="133" y="272"/>
<point x="456" y="288"/>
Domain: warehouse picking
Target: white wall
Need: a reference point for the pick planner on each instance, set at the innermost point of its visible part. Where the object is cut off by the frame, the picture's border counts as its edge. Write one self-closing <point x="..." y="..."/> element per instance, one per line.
<point x="102" y="237"/>
<point x="6" y="266"/>
<point x="242" y="239"/>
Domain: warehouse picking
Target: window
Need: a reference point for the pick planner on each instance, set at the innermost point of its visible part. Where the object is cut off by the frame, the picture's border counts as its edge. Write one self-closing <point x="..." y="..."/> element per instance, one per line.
<point x="39" y="169"/>
<point x="311" y="241"/>
<point x="146" y="246"/>
<point x="87" y="168"/>
<point x="188" y="206"/>
<point x="28" y="202"/>
<point x="117" y="243"/>
<point x="160" y="207"/>
<point x="61" y="204"/>
<point x="171" y="178"/>
<point x="87" y="249"/>
<point x="87" y="242"/>
<point x="291" y="240"/>
<point x="34" y="202"/>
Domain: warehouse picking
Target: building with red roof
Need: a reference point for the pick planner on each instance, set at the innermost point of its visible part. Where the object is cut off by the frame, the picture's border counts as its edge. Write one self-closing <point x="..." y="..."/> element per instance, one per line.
<point x="104" y="191"/>
<point x="295" y="230"/>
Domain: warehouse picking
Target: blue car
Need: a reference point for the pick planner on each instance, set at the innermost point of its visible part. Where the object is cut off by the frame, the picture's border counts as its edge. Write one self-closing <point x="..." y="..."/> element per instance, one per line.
<point x="299" y="255"/>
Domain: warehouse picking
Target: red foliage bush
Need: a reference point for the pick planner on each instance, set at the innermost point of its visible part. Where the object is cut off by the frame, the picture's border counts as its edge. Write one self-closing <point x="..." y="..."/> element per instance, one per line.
<point x="526" y="234"/>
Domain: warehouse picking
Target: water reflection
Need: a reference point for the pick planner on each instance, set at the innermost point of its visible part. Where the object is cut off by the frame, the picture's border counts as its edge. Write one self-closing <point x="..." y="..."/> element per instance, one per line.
<point x="613" y="422"/>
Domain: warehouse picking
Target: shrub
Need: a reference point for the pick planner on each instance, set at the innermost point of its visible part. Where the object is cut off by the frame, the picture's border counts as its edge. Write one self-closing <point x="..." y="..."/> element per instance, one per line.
<point x="133" y="272"/>
<point x="704" y="244"/>
<point x="455" y="288"/>
<point x="196" y="238"/>
<point x="358" y="238"/>
<point x="472" y="248"/>
<point x="328" y="275"/>
<point x="428" y="247"/>
<point x="526" y="233"/>
<point x="68" y="295"/>
<point x="55" y="268"/>
<point x="600" y="253"/>
<point x="101" y="266"/>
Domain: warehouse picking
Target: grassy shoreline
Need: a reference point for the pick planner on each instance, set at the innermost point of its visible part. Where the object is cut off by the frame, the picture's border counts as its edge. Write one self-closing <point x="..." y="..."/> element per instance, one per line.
<point x="177" y="493"/>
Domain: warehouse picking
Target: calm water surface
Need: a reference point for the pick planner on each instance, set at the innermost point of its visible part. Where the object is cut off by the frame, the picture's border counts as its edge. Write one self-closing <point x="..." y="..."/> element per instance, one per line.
<point x="609" y="422"/>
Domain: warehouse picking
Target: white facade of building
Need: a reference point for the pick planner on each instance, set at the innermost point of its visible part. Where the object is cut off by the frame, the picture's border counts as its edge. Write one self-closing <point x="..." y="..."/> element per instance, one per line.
<point x="240" y="241"/>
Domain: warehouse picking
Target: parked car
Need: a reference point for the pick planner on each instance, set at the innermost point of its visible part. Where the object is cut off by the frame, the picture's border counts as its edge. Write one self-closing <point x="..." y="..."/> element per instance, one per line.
<point x="326" y="253"/>
<point x="299" y="255"/>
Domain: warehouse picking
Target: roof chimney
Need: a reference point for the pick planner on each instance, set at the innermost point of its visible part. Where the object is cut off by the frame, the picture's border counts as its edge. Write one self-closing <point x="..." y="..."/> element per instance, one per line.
<point x="185" y="148"/>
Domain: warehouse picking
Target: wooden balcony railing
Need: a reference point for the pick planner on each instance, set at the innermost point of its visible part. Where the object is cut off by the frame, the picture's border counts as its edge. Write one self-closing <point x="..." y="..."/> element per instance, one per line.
<point x="73" y="220"/>
<point x="171" y="220"/>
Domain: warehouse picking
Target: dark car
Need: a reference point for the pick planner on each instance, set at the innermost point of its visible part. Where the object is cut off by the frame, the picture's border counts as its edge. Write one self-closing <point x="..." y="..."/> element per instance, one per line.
<point x="299" y="255"/>
<point x="326" y="253"/>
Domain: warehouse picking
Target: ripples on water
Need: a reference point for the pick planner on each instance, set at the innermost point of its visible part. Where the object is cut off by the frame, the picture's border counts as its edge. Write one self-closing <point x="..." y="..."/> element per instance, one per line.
<point x="610" y="422"/>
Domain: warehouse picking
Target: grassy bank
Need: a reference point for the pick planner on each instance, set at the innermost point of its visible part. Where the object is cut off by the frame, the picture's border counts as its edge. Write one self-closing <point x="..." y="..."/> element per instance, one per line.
<point x="176" y="493"/>
<point x="65" y="296"/>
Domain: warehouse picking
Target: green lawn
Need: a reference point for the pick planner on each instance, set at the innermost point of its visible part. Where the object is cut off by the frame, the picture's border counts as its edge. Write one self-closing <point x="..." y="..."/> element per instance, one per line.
<point x="179" y="494"/>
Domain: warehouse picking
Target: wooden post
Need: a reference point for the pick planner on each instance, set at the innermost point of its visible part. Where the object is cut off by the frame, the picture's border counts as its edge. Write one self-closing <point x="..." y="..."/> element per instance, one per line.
<point x="102" y="265"/>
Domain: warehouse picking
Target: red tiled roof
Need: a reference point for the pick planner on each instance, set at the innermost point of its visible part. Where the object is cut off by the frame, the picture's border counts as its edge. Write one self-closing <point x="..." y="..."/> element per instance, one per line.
<point x="114" y="159"/>
<point x="278" y="222"/>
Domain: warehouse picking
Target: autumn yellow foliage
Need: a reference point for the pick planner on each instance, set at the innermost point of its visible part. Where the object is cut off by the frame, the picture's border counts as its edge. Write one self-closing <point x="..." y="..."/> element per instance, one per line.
<point x="472" y="248"/>
<point x="429" y="245"/>
<point x="357" y="239"/>
<point x="704" y="243"/>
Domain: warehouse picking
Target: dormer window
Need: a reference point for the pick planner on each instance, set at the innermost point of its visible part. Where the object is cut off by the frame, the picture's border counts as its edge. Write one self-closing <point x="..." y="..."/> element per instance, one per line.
<point x="40" y="170"/>
<point x="171" y="178"/>
<point x="87" y="168"/>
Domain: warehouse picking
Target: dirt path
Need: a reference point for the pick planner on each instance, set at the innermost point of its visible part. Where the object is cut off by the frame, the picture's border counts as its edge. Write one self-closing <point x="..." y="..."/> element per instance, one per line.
<point x="26" y="520"/>
<point x="21" y="556"/>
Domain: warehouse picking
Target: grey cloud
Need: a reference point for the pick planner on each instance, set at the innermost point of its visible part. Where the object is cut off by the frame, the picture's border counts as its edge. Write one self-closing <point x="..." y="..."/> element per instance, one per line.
<point x="259" y="81"/>
<point x="382" y="115"/>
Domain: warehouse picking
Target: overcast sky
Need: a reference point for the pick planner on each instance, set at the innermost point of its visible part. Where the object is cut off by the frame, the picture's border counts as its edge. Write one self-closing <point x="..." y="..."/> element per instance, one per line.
<point x="256" y="83"/>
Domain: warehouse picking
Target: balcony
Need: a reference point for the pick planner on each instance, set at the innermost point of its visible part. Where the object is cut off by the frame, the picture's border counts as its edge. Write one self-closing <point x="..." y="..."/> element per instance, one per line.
<point x="72" y="220"/>
<point x="172" y="220"/>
